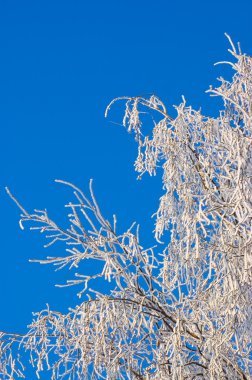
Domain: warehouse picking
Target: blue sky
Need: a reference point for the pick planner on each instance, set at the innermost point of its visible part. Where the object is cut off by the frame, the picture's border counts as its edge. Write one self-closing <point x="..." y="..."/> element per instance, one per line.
<point x="62" y="62"/>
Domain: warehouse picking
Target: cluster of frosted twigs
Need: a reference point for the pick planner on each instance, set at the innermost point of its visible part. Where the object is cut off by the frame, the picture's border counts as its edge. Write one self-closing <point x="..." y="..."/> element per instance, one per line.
<point x="177" y="312"/>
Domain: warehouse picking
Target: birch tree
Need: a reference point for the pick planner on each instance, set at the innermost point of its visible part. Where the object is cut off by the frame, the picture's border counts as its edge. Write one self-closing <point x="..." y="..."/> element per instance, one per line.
<point x="176" y="311"/>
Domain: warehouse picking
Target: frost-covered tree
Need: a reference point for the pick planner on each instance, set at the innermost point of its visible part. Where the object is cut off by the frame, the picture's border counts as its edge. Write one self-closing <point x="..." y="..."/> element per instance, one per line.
<point x="181" y="311"/>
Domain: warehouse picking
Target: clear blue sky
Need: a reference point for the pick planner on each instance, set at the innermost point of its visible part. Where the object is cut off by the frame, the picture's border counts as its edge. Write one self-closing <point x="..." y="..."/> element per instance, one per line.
<point x="61" y="63"/>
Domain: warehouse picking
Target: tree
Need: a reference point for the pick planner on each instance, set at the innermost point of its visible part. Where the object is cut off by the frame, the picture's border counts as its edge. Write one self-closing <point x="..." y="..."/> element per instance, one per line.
<point x="182" y="311"/>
